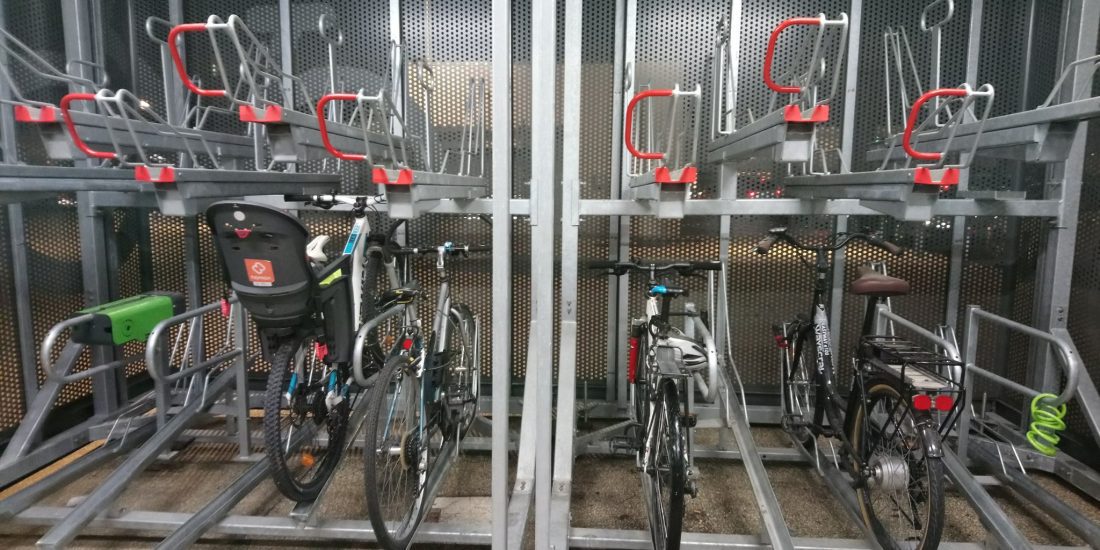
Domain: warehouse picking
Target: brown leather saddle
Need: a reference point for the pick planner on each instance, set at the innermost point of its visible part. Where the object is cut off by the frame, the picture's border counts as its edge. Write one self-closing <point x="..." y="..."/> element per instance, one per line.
<point x="873" y="283"/>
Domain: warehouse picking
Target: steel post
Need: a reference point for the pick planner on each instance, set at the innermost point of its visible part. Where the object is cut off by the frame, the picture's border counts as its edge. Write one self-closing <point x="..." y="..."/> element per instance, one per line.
<point x="543" y="93"/>
<point x="502" y="264"/>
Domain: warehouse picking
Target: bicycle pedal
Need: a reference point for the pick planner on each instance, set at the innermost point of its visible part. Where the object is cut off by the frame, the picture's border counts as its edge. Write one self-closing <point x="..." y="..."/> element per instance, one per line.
<point x="690" y="420"/>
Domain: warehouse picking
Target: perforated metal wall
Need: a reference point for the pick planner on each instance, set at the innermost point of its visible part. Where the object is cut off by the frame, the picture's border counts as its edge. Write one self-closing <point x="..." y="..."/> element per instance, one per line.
<point x="12" y="402"/>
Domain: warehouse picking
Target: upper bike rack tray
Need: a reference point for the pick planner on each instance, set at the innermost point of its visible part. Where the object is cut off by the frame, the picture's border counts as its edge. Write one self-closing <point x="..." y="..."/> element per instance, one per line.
<point x="187" y="194"/>
<point x="295" y="136"/>
<point x="410" y="193"/>
<point x="93" y="130"/>
<point x="664" y="176"/>
<point x="20" y="182"/>
<point x="784" y="135"/>
<point x="1039" y="135"/>
<point x="904" y="193"/>
<point x="669" y="188"/>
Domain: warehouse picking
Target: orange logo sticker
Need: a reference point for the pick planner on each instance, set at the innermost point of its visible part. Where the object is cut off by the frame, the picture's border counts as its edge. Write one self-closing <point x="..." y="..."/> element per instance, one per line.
<point x="260" y="272"/>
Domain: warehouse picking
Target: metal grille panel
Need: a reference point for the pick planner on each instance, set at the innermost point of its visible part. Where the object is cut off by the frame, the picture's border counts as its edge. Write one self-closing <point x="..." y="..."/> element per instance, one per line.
<point x="12" y="401"/>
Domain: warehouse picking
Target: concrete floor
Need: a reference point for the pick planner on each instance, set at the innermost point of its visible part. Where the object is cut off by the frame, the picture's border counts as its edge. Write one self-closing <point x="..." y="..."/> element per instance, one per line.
<point x="606" y="494"/>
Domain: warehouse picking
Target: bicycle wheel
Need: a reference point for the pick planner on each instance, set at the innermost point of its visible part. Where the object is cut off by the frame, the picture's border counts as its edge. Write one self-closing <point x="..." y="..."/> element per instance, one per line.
<point x="902" y="501"/>
<point x="296" y="420"/>
<point x="798" y="387"/>
<point x="396" y="455"/>
<point x="373" y="354"/>
<point x="461" y="370"/>
<point x="665" y="470"/>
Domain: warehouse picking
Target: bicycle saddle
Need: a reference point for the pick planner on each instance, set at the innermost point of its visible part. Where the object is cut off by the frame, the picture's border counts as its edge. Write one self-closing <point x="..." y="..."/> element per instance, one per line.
<point x="873" y="283"/>
<point x="396" y="296"/>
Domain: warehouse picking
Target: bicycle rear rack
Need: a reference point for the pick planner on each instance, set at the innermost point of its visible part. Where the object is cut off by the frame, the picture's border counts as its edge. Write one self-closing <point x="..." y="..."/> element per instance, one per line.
<point x="787" y="133"/>
<point x="665" y="177"/>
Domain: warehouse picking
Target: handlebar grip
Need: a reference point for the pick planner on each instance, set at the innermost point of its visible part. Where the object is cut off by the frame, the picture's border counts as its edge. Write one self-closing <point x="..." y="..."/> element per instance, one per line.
<point x="322" y="126"/>
<point x="890" y="247"/>
<point x="602" y="264"/>
<point x="770" y="53"/>
<point x="177" y="60"/>
<point x="706" y="266"/>
<point x="297" y="198"/>
<point x="766" y="243"/>
<point x="911" y="124"/>
<point x="71" y="127"/>
<point x="479" y="248"/>
<point x="630" y="122"/>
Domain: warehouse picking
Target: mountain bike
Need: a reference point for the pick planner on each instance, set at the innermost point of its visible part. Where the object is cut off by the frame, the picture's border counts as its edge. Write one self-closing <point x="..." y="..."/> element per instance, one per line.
<point x="307" y="310"/>
<point x="423" y="401"/>
<point x="902" y="402"/>
<point x="664" y="362"/>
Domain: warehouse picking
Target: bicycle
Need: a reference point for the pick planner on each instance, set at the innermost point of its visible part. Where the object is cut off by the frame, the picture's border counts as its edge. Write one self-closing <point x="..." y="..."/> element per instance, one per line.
<point x="663" y="367"/>
<point x="890" y="440"/>
<point x="306" y="309"/>
<point x="424" y="399"/>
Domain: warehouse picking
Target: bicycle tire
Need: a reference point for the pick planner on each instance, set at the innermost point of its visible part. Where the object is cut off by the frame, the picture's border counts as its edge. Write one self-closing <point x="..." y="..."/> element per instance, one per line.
<point x="402" y="406"/>
<point x="462" y="380"/>
<point x="666" y="519"/>
<point x="927" y="486"/>
<point x="372" y="267"/>
<point x="283" y="470"/>
<point x="798" y="398"/>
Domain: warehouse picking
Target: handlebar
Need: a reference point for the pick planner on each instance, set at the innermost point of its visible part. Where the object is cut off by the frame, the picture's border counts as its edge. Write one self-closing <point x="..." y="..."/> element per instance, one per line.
<point x="322" y="126"/>
<point x="683" y="268"/>
<point x="328" y="201"/>
<point x="451" y="249"/>
<point x="77" y="141"/>
<point x="177" y="60"/>
<point x="840" y="240"/>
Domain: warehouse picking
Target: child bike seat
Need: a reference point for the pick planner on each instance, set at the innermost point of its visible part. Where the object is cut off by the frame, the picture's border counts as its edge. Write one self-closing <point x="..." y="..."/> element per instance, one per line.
<point x="873" y="283"/>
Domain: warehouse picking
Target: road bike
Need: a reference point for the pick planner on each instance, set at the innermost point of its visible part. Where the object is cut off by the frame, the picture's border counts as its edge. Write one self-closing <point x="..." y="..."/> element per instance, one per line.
<point x="307" y="310"/>
<point x="665" y="366"/>
<point x="902" y="402"/>
<point x="423" y="401"/>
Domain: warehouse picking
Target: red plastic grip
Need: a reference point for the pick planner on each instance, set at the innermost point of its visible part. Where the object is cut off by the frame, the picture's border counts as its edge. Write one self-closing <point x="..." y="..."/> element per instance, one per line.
<point x="323" y="127"/>
<point x="770" y="53"/>
<point x="630" y="122"/>
<point x="91" y="153"/>
<point x="912" y="122"/>
<point x="178" y="61"/>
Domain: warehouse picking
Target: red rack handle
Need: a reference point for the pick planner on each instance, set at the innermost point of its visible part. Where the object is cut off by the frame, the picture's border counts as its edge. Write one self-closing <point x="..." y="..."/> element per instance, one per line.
<point x="322" y="126"/>
<point x="173" y="49"/>
<point x="770" y="53"/>
<point x="91" y="153"/>
<point x="912" y="123"/>
<point x="630" y="122"/>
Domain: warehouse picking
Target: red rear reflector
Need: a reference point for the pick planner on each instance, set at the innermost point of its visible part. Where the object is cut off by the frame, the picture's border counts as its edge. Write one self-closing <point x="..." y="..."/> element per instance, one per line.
<point x="632" y="364"/>
<point x="780" y="341"/>
<point x="321" y="350"/>
<point x="243" y="233"/>
<point x="944" y="402"/>
<point x="407" y="344"/>
<point x="922" y="402"/>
